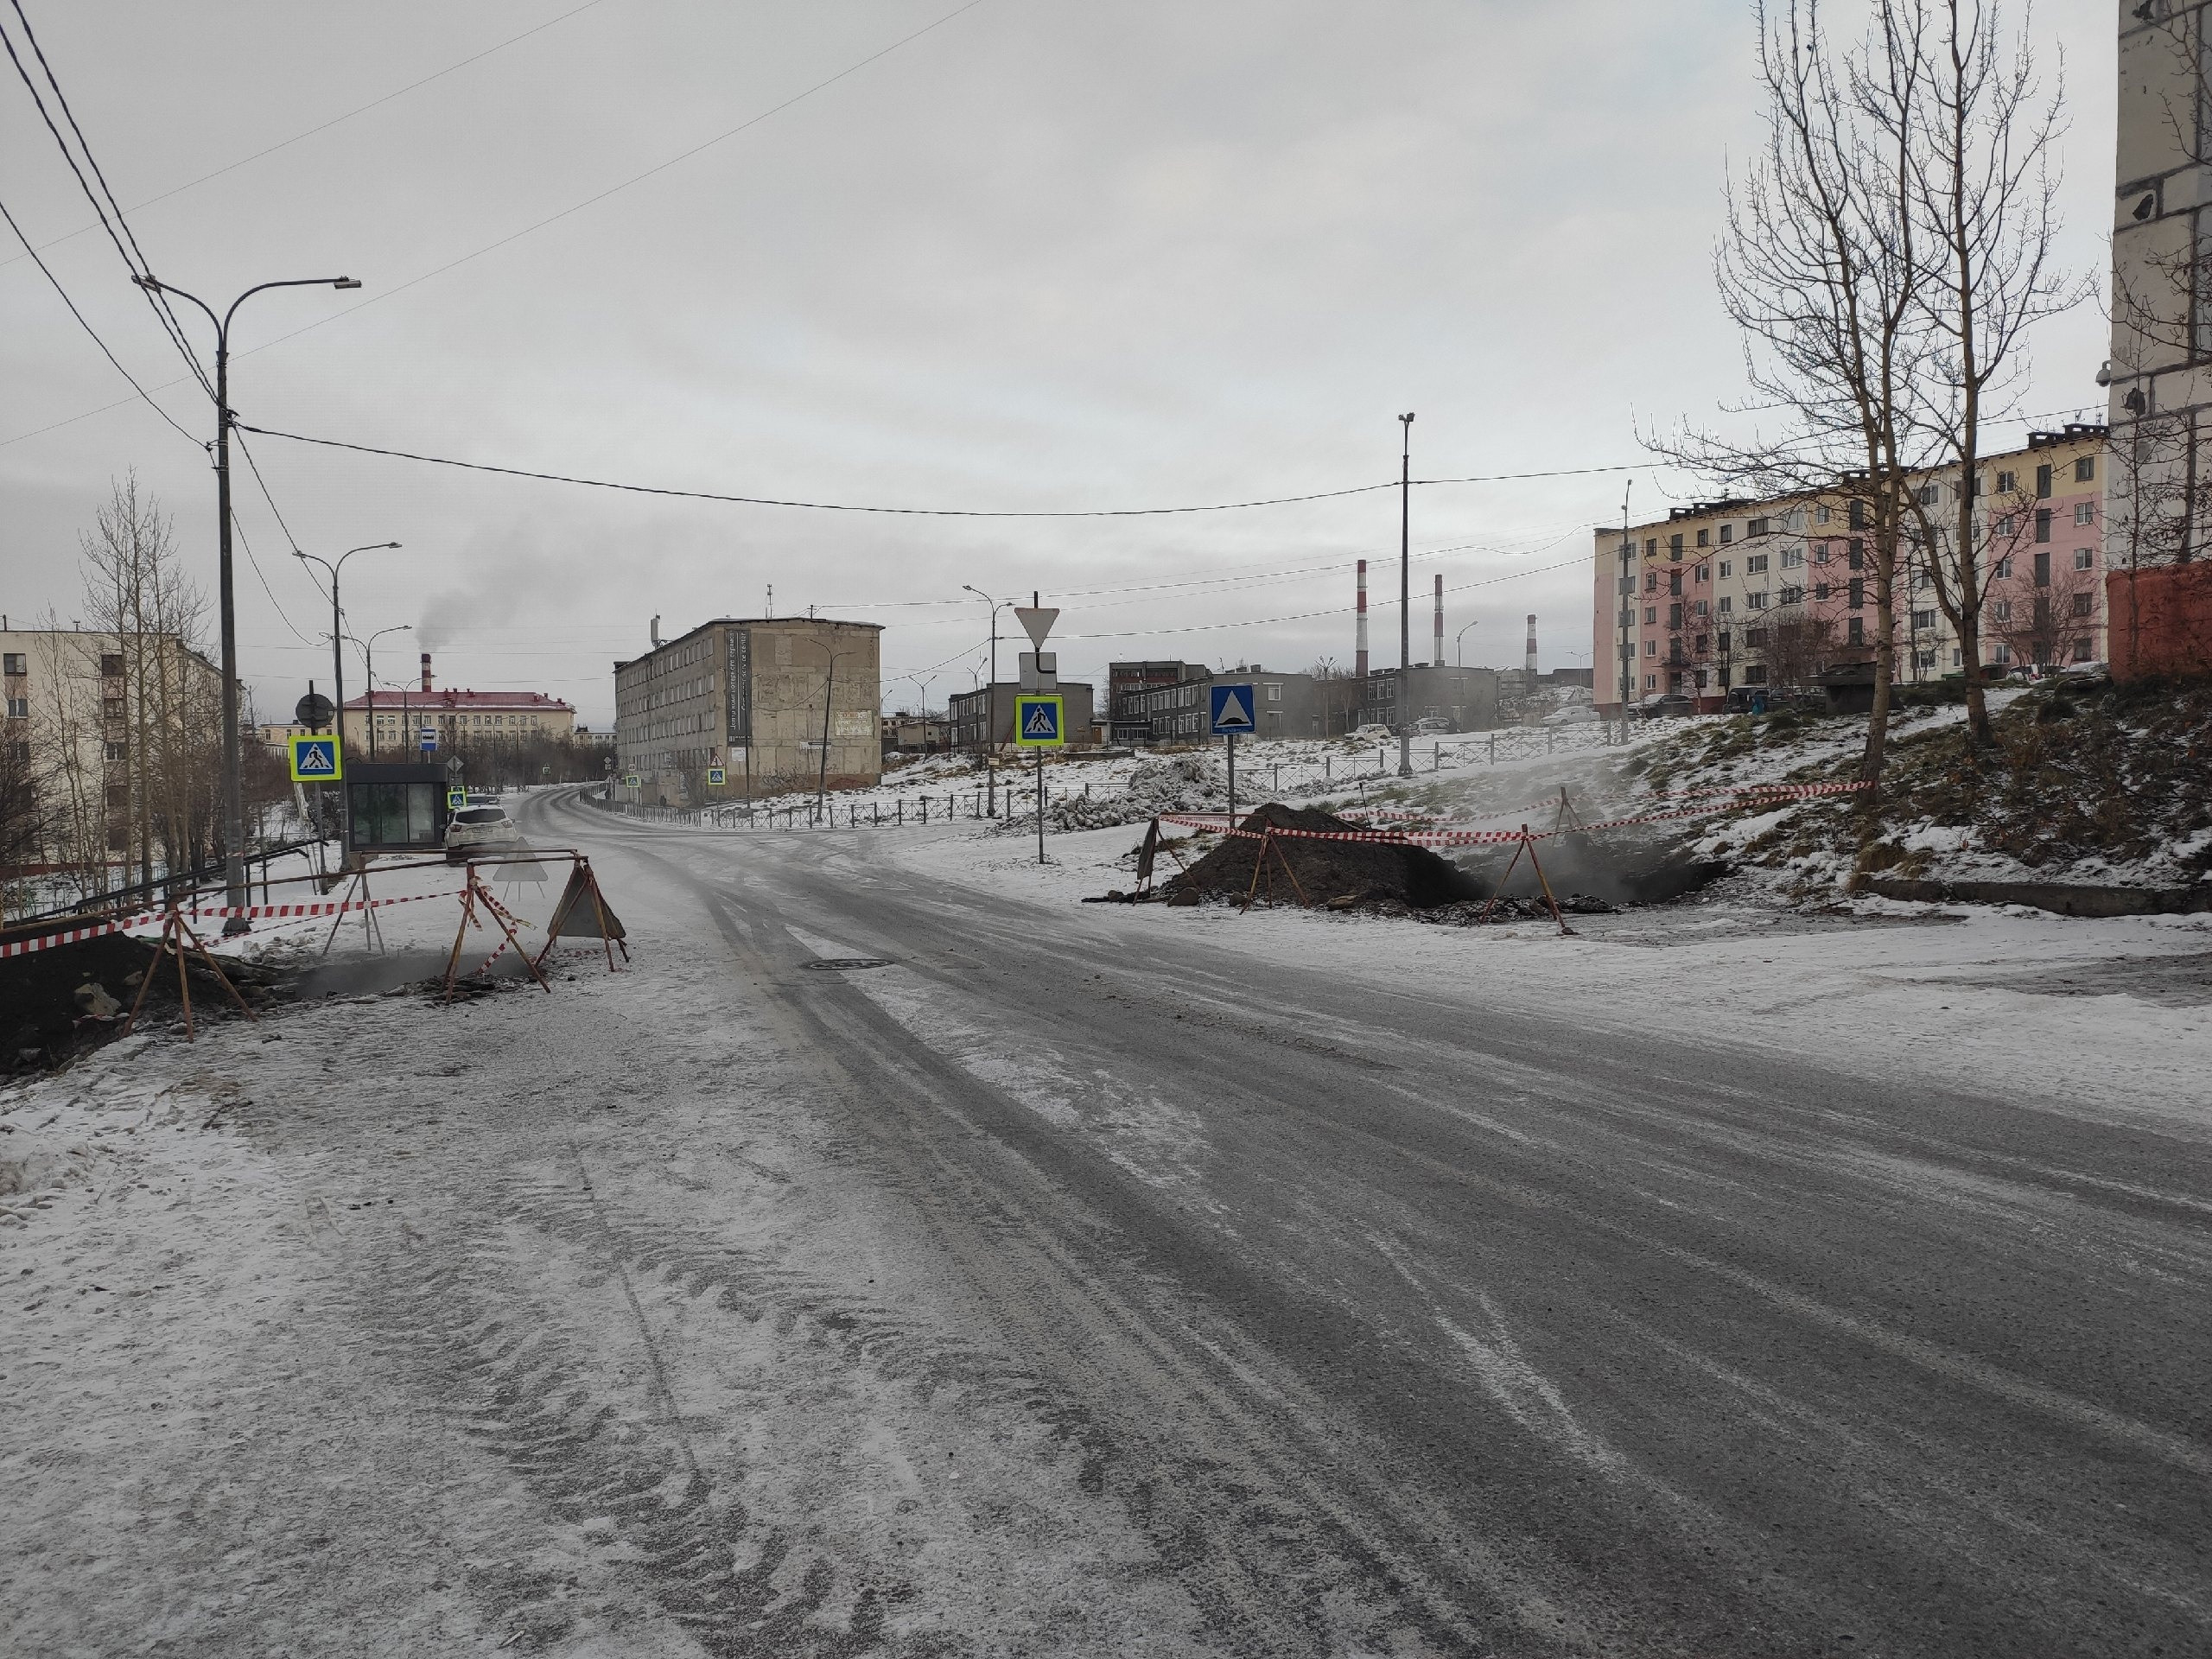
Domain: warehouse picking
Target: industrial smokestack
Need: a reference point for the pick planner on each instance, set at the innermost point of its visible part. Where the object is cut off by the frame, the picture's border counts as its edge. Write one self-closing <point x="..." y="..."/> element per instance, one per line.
<point x="656" y="634"/>
<point x="426" y="671"/>
<point x="1529" y="664"/>
<point x="1438" y="659"/>
<point x="1359" y="654"/>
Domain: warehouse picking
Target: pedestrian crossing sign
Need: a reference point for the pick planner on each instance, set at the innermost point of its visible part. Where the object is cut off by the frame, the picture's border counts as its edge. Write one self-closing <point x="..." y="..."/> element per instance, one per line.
<point x="1037" y="723"/>
<point x="316" y="761"/>
<point x="716" y="777"/>
<point x="456" y="799"/>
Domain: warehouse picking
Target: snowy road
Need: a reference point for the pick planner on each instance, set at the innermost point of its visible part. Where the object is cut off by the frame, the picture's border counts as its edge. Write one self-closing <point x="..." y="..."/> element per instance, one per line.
<point x="1082" y="1281"/>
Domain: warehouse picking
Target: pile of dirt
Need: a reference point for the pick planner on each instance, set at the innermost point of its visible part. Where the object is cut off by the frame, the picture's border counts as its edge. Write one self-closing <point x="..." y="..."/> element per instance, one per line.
<point x="56" y="1002"/>
<point x="1613" y="868"/>
<point x="1339" y="874"/>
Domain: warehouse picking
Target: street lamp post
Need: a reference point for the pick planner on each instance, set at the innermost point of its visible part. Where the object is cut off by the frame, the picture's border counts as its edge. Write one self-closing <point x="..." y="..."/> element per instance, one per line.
<point x="1460" y="644"/>
<point x="828" y="690"/>
<point x="369" y="676"/>
<point x="233" y="792"/>
<point x="338" y="675"/>
<point x="990" y="702"/>
<point x="1406" y="599"/>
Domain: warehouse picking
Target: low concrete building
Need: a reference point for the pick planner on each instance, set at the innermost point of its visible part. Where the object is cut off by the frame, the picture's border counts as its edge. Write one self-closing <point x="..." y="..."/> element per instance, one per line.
<point x="758" y="697"/>
<point x="984" y="717"/>
<point x="1152" y="705"/>
<point x="1465" y="699"/>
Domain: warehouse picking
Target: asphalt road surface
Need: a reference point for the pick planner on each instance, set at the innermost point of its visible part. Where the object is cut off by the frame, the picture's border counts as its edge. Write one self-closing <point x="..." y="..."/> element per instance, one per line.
<point x="1404" y="1320"/>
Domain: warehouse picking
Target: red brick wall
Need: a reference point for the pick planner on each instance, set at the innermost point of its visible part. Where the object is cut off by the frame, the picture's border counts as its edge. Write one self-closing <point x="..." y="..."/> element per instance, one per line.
<point x="2160" y="620"/>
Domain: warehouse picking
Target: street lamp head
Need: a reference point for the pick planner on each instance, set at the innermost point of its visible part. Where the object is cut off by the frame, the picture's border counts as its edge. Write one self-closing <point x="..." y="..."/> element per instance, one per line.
<point x="1407" y="419"/>
<point x="391" y="544"/>
<point x="347" y="282"/>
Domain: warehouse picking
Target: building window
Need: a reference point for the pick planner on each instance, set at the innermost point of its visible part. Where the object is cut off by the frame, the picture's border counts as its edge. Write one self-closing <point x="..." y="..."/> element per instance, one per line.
<point x="1651" y="614"/>
<point x="1755" y="565"/>
<point x="1757" y="601"/>
<point x="2085" y="604"/>
<point x="1857" y="593"/>
<point x="1793" y="558"/>
<point x="2043" y="524"/>
<point x="1702" y="644"/>
<point x="1793" y="595"/>
<point x="1651" y="682"/>
<point x="2006" y="483"/>
<point x="2043" y="482"/>
<point x="1674" y="616"/>
<point x="1924" y="620"/>
<point x="2085" y="512"/>
<point x="1727" y="603"/>
<point x="1652" y="647"/>
<point x="1820" y="513"/>
<point x="2002" y="570"/>
<point x="2000" y="653"/>
<point x="1674" y="582"/>
<point x="2043" y="569"/>
<point x="1703" y="608"/>
<point x="15" y="661"/>
<point x="1705" y="538"/>
<point x="1727" y="567"/>
<point x="1727" y="534"/>
<point x="1758" y="526"/>
<point x="1755" y="674"/>
<point x="1858" y="553"/>
<point x="1821" y="591"/>
<point x="2000" y="610"/>
<point x="2081" y="650"/>
<point x="1674" y="545"/>
<point x="2085" y="470"/>
<point x="119" y="751"/>
<point x="19" y="708"/>
<point x="1704" y="573"/>
<point x="112" y="666"/>
<point x="2085" y="558"/>
<point x="1755" y="640"/>
<point x="1651" y="547"/>
<point x="1856" y="634"/>
<point x="1928" y="494"/>
<point x="1958" y="657"/>
<point x="1651" y="582"/>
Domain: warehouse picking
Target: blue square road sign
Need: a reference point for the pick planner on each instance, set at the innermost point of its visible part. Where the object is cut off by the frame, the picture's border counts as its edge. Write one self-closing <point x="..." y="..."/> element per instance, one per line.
<point x="1232" y="711"/>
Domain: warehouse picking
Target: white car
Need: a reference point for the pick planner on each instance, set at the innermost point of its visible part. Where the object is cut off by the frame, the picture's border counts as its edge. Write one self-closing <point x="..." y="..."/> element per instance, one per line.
<point x="1370" y="734"/>
<point x="480" y="829"/>
<point x="1575" y="714"/>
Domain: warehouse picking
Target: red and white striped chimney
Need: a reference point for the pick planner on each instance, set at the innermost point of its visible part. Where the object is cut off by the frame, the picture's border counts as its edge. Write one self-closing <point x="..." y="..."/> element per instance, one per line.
<point x="1529" y="665"/>
<point x="1438" y="657"/>
<point x="1359" y="657"/>
<point x="426" y="671"/>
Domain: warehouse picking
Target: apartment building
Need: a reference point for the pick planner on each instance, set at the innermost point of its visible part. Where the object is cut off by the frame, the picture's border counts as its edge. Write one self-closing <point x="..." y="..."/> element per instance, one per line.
<point x="1173" y="702"/>
<point x="119" y="734"/>
<point x="759" y="696"/>
<point x="1723" y="595"/>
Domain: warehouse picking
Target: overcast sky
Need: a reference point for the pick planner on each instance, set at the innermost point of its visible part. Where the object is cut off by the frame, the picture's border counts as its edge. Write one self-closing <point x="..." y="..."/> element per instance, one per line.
<point x="1042" y="256"/>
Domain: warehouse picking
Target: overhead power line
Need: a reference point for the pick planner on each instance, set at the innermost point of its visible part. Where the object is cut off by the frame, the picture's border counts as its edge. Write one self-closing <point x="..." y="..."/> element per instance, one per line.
<point x="92" y="331"/>
<point x="324" y="126"/>
<point x="922" y="512"/>
<point x="133" y="258"/>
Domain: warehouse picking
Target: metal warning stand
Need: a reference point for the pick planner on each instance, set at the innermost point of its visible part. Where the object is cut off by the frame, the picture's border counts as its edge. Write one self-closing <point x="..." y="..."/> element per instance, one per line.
<point x="584" y="913"/>
<point x="1527" y="844"/>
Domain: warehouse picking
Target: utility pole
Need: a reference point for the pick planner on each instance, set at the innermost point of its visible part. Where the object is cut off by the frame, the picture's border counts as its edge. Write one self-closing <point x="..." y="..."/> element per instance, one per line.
<point x="234" y="888"/>
<point x="338" y="682"/>
<point x="1406" y="599"/>
<point x="990" y="702"/>
<point x="369" y="674"/>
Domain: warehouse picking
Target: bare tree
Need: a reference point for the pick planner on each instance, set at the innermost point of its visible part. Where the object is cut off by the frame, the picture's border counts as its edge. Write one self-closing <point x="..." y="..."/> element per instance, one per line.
<point x="1822" y="269"/>
<point x="1978" y="135"/>
<point x="25" y="830"/>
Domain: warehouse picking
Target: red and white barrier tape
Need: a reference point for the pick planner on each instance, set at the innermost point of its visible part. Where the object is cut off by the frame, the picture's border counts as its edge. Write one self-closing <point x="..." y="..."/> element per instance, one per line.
<point x="76" y="935"/>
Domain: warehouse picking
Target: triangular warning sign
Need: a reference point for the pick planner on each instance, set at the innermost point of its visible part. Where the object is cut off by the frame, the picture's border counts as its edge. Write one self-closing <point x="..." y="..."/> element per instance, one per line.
<point x="1040" y="722"/>
<point x="1236" y="712"/>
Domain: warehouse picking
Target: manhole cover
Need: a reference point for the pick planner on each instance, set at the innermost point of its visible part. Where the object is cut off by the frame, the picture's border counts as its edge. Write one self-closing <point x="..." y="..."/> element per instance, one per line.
<point x="837" y="964"/>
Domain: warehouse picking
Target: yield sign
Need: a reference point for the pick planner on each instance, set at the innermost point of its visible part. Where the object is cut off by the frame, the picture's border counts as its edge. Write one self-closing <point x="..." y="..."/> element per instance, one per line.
<point x="1037" y="623"/>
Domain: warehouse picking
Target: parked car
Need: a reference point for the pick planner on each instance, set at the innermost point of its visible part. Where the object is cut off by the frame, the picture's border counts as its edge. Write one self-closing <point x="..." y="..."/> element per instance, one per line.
<point x="1575" y="714"/>
<point x="1371" y="734"/>
<point x="481" y="830"/>
<point x="1430" y="725"/>
<point x="1667" y="706"/>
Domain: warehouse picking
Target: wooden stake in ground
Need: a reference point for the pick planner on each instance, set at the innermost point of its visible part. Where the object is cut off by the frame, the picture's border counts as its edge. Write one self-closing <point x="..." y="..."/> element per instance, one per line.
<point x="474" y="890"/>
<point x="175" y="931"/>
<point x="1528" y="844"/>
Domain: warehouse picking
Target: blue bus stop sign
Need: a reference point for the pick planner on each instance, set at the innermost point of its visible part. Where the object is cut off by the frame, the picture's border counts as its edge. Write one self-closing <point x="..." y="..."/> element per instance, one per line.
<point x="1232" y="711"/>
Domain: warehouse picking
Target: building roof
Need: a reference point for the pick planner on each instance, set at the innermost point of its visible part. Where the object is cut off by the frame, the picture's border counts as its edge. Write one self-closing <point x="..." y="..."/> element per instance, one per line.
<point x="417" y="699"/>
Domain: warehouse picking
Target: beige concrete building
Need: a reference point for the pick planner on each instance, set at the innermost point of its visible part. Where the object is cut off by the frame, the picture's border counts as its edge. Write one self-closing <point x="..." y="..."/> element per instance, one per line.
<point x="119" y="733"/>
<point x="2160" y="375"/>
<point x="757" y="697"/>
<point x="460" y="718"/>
<point x="1725" y="596"/>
